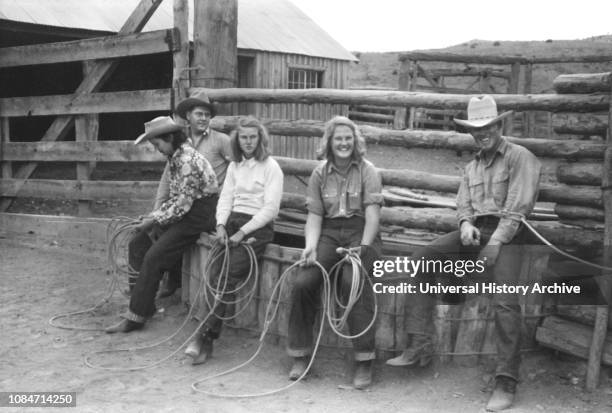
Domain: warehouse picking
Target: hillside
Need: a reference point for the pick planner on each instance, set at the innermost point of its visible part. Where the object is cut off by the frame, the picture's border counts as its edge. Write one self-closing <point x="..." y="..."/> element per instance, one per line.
<point x="381" y="69"/>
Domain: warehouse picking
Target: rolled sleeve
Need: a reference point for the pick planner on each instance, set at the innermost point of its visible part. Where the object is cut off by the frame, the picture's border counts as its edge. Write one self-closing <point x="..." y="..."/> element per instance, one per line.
<point x="314" y="202"/>
<point x="465" y="211"/>
<point x="523" y="187"/>
<point x="372" y="186"/>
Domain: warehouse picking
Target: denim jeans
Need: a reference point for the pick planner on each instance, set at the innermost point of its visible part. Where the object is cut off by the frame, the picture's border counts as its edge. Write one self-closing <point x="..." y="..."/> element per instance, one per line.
<point x="152" y="258"/>
<point x="506" y="306"/>
<point x="305" y="296"/>
<point x="239" y="265"/>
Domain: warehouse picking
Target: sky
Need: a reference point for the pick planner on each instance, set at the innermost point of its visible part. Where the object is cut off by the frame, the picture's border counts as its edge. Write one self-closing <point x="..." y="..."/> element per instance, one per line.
<point x="399" y="25"/>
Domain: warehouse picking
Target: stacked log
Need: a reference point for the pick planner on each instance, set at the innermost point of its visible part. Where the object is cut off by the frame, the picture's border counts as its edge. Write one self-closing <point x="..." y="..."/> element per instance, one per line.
<point x="584" y="173"/>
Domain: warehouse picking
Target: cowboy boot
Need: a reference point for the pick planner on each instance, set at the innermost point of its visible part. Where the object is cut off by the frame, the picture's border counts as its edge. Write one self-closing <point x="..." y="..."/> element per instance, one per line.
<point x="503" y="394"/>
<point x="300" y="364"/>
<point x="420" y="351"/>
<point x="124" y="326"/>
<point x="200" y="349"/>
<point x="363" y="375"/>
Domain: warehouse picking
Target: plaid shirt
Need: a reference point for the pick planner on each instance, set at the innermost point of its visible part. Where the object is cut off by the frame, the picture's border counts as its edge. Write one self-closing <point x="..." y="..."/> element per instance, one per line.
<point x="508" y="182"/>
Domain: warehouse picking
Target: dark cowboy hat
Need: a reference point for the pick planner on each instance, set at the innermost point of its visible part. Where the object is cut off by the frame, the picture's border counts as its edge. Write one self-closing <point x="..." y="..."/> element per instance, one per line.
<point x="199" y="98"/>
<point x="156" y="127"/>
<point x="481" y="112"/>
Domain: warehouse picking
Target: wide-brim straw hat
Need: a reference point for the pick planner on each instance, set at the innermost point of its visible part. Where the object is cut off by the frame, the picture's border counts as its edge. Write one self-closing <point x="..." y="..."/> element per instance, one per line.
<point x="158" y="126"/>
<point x="199" y="98"/>
<point x="481" y="112"/>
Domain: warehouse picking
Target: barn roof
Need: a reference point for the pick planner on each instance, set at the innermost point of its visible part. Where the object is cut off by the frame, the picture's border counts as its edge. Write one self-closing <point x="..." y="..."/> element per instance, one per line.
<point x="270" y="25"/>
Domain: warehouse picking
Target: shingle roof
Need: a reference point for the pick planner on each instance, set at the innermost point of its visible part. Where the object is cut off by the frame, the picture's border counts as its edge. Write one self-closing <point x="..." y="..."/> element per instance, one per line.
<point x="270" y="25"/>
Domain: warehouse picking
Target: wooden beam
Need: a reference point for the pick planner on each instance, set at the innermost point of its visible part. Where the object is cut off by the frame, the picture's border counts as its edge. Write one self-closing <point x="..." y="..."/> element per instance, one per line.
<point x="580" y="124"/>
<point x="528" y="117"/>
<point x="68" y="104"/>
<point x="101" y="151"/>
<point x="107" y="102"/>
<point x="181" y="74"/>
<point x="580" y="173"/>
<point x="134" y="44"/>
<point x="583" y="83"/>
<point x="91" y="83"/>
<point x="67" y="189"/>
<point x="215" y="40"/>
<point x="544" y="102"/>
<point x="427" y="56"/>
<point x="602" y="314"/>
<point x="6" y="171"/>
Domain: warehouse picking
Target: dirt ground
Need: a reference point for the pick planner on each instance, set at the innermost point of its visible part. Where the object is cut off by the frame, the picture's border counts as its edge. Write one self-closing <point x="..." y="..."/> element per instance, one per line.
<point x="41" y="278"/>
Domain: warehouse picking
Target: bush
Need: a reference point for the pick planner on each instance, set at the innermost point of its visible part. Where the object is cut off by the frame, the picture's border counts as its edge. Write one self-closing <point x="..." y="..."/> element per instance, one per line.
<point x="549" y="41"/>
<point x="496" y="43"/>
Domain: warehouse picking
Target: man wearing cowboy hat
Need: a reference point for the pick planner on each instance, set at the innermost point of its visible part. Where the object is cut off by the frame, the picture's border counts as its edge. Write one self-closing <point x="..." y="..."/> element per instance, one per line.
<point x="198" y="111"/>
<point x="502" y="180"/>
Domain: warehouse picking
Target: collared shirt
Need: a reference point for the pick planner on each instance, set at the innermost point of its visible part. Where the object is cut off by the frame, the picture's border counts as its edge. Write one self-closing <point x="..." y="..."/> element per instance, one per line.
<point x="252" y="187"/>
<point x="216" y="148"/>
<point x="191" y="178"/>
<point x="334" y="195"/>
<point x="508" y="182"/>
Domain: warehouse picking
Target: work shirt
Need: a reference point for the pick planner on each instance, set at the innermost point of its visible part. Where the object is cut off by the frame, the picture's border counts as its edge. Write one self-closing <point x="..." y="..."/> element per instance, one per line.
<point x="190" y="177"/>
<point x="252" y="187"/>
<point x="216" y="148"/>
<point x="508" y="182"/>
<point x="334" y="195"/>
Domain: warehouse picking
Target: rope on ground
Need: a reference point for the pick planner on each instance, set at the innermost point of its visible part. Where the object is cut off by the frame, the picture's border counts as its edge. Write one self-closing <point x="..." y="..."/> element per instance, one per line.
<point x="118" y="234"/>
<point x="217" y="252"/>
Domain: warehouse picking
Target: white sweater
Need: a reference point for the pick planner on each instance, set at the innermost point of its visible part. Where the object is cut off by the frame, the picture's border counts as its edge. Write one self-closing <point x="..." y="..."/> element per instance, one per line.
<point x="251" y="187"/>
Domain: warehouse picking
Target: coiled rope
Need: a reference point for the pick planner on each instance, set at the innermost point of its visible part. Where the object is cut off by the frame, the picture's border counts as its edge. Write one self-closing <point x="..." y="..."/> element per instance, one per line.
<point x="119" y="233"/>
<point x="335" y="312"/>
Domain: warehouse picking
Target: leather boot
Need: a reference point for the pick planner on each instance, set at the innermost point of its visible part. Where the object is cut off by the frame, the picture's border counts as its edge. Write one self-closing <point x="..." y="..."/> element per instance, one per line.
<point x="124" y="326"/>
<point x="503" y="394"/>
<point x="200" y="349"/>
<point x="363" y="375"/>
<point x="299" y="367"/>
<point x="420" y="351"/>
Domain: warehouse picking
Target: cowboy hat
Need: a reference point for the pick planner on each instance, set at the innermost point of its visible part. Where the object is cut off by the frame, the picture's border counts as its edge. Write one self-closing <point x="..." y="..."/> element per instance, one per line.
<point x="156" y="127"/>
<point x="481" y="111"/>
<point x="199" y="98"/>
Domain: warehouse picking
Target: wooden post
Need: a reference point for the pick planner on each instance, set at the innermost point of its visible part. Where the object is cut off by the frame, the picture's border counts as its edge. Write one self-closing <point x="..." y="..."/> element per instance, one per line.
<point x="403" y="84"/>
<point x="528" y="116"/>
<point x="414" y="77"/>
<point x="86" y="129"/>
<point x="602" y="313"/>
<point x="215" y="38"/>
<point x="180" y="74"/>
<point x="513" y="84"/>
<point x="5" y="137"/>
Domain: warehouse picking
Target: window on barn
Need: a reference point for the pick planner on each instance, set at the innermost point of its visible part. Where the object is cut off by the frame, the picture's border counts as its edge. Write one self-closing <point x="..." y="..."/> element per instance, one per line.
<point x="300" y="78"/>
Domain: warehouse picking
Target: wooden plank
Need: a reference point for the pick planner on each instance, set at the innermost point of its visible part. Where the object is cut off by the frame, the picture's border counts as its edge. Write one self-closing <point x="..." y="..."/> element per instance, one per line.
<point x="107" y="47"/>
<point x="571" y="337"/>
<point x="91" y="83"/>
<point x="101" y="151"/>
<point x="513" y="86"/>
<point x="471" y="333"/>
<point x="580" y="124"/>
<point x="528" y="117"/>
<point x="580" y="173"/>
<point x="64" y="189"/>
<point x="86" y="127"/>
<point x="107" y="102"/>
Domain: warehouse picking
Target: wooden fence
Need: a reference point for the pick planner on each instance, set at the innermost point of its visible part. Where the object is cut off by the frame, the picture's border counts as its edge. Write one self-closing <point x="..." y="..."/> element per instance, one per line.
<point x="483" y="69"/>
